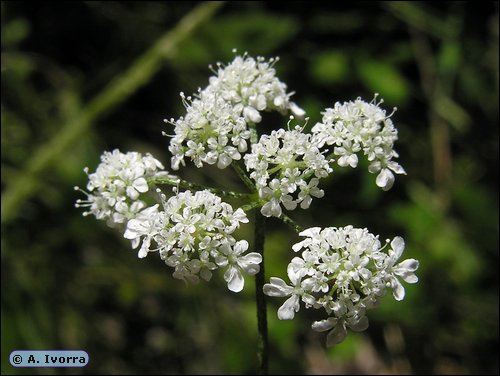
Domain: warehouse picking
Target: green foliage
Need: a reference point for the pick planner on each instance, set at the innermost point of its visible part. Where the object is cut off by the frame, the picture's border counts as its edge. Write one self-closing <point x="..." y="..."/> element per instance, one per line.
<point x="69" y="282"/>
<point x="385" y="79"/>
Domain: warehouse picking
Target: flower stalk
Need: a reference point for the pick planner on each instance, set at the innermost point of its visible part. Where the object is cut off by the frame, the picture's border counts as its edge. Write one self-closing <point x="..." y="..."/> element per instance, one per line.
<point x="262" y="340"/>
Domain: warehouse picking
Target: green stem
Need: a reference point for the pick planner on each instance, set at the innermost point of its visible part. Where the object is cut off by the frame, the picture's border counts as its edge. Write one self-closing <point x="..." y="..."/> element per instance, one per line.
<point x="262" y="342"/>
<point x="176" y="182"/>
<point x="290" y="222"/>
<point x="251" y="206"/>
<point x="243" y="176"/>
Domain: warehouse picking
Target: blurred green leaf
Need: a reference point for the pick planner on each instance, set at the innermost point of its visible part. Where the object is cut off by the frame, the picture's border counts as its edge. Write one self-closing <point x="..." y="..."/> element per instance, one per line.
<point x="452" y="112"/>
<point x="385" y="79"/>
<point x="449" y="58"/>
<point x="14" y="32"/>
<point x="330" y="67"/>
<point x="439" y="239"/>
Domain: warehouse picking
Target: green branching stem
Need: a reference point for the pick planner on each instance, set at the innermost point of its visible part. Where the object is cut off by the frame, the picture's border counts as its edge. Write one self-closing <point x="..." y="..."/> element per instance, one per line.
<point x="290" y="222"/>
<point x="243" y="176"/>
<point x="252" y="205"/>
<point x="262" y="341"/>
<point x="176" y="182"/>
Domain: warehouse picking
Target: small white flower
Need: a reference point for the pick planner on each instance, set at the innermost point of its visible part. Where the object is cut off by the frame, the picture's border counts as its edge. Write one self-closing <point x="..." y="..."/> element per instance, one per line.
<point x="405" y="269"/>
<point x="308" y="190"/>
<point x="146" y="225"/>
<point x="278" y="288"/>
<point x="237" y="263"/>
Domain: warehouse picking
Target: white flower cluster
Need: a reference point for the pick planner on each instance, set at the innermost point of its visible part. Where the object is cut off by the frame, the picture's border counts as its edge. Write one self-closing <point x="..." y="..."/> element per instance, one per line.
<point x="193" y="235"/>
<point x="355" y="126"/>
<point x="282" y="164"/>
<point x="215" y="129"/>
<point x="115" y="187"/>
<point x="251" y="85"/>
<point x="345" y="271"/>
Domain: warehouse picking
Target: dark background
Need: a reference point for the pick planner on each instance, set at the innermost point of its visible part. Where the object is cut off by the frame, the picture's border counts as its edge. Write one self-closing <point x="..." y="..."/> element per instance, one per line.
<point x="70" y="282"/>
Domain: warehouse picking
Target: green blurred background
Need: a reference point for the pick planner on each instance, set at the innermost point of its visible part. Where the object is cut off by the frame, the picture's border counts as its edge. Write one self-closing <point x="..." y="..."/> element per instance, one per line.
<point x="69" y="93"/>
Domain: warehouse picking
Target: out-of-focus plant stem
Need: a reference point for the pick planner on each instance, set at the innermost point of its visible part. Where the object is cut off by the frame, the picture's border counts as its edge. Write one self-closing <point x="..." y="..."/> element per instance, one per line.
<point x="140" y="72"/>
<point x="437" y="86"/>
<point x="262" y="344"/>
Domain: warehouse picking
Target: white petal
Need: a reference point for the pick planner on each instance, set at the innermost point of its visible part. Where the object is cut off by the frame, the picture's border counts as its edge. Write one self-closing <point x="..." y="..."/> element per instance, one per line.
<point x="234" y="279"/>
<point x="224" y="161"/>
<point x="410" y="265"/>
<point x="266" y="209"/>
<point x="233" y="153"/>
<point x="295" y="274"/>
<point x="135" y="242"/>
<point x="360" y="325"/>
<point x="324" y="325"/>
<point x="353" y="160"/>
<point x="277" y="288"/>
<point x="141" y="185"/>
<point x="250" y="263"/>
<point x="306" y="202"/>
<point x="221" y="260"/>
<point x="252" y="114"/>
<point x="374" y="167"/>
<point x="398" y="245"/>
<point x="336" y="335"/>
<point x="288" y="202"/>
<point x="142" y="253"/>
<point x="298" y="246"/>
<point x="240" y="215"/>
<point x="398" y="291"/>
<point x="278" y="101"/>
<point x="405" y="270"/>
<point x="396" y="167"/>
<point x="296" y="110"/>
<point x="288" y="309"/>
<point x="385" y="179"/>
<point x="311" y="232"/>
<point x="271" y="208"/>
<point x="134" y="229"/>
<point x="132" y="193"/>
<point x="240" y="247"/>
<point x="410" y="278"/>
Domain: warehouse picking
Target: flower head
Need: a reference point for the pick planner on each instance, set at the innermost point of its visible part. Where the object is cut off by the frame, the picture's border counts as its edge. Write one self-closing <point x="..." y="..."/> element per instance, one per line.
<point x="286" y="167"/>
<point x="357" y="125"/>
<point x="193" y="234"/>
<point x="114" y="188"/>
<point x="344" y="271"/>
<point x="215" y="128"/>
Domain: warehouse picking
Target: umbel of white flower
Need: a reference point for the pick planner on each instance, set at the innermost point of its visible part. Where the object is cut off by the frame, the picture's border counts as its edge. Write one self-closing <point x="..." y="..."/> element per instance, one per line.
<point x="115" y="186"/>
<point x="344" y="271"/>
<point x="220" y="118"/>
<point x="282" y="164"/>
<point x="354" y="126"/>
<point x="193" y="235"/>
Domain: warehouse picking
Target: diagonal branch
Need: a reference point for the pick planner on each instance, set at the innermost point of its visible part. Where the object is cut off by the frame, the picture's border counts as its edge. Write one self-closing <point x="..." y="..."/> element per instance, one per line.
<point x="140" y="72"/>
